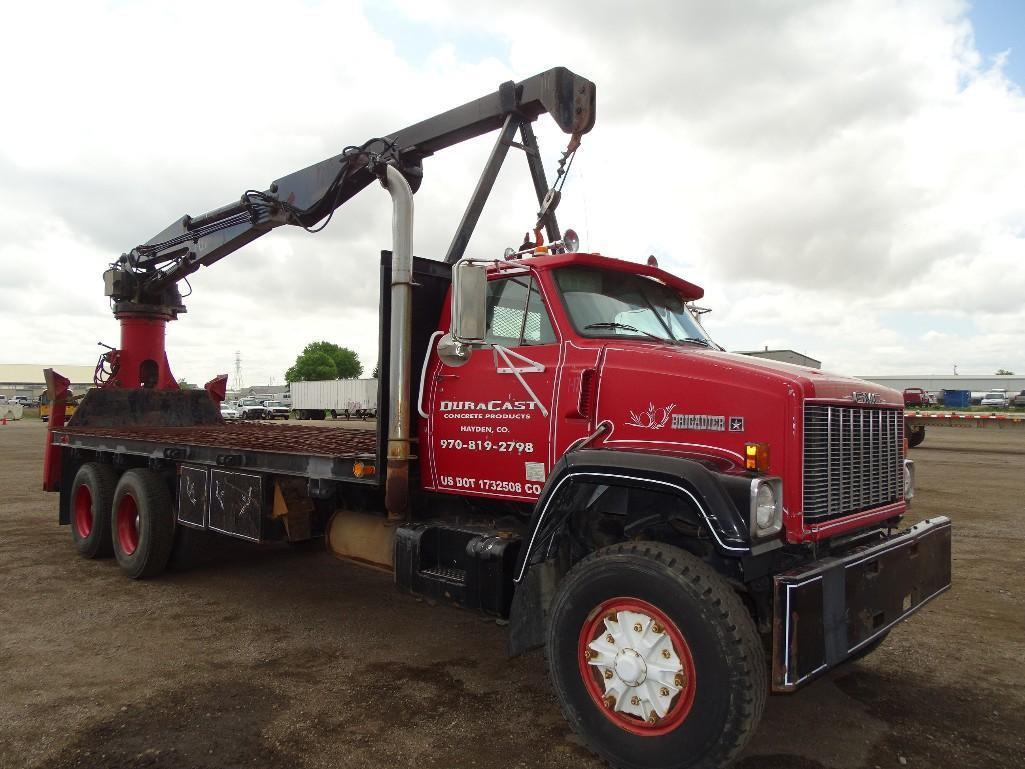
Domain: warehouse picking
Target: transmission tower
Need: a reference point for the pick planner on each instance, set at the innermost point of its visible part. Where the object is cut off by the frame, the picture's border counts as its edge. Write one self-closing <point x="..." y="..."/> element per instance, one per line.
<point x="239" y="384"/>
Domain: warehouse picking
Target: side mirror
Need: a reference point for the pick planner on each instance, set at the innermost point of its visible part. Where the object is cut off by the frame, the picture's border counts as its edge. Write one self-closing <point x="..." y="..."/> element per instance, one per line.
<point x="469" y="314"/>
<point x="469" y="303"/>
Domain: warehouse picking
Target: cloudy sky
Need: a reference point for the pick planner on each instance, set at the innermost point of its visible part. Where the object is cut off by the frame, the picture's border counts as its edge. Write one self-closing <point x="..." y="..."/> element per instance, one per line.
<point x="844" y="179"/>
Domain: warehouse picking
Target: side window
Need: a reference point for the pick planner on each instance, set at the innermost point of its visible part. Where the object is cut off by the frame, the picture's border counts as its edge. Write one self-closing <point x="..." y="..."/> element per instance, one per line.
<point x="517" y="314"/>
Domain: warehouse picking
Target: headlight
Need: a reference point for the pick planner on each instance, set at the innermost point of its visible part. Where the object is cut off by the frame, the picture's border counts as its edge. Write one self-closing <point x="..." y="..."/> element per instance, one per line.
<point x="766" y="507"/>
<point x="909" y="480"/>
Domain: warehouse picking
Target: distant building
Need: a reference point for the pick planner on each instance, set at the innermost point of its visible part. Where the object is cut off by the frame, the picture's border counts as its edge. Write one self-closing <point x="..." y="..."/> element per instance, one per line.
<point x="27" y="378"/>
<point x="934" y="383"/>
<point x="784" y="356"/>
<point x="271" y="391"/>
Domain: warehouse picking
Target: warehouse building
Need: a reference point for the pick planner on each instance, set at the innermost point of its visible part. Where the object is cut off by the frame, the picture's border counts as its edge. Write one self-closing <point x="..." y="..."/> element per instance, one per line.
<point x="26" y="379"/>
<point x="934" y="383"/>
<point x="784" y="356"/>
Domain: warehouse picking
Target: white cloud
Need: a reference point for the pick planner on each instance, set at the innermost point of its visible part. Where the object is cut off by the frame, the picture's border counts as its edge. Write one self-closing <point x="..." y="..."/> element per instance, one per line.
<point x="826" y="171"/>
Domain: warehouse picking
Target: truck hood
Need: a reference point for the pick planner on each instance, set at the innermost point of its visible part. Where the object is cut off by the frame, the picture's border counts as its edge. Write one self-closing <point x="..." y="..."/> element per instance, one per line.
<point x="733" y="370"/>
<point x="813" y="383"/>
<point x="670" y="397"/>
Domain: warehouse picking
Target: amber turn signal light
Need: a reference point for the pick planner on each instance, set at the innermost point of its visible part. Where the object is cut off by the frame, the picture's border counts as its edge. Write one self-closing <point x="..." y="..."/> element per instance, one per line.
<point x="359" y="469"/>
<point x="756" y="457"/>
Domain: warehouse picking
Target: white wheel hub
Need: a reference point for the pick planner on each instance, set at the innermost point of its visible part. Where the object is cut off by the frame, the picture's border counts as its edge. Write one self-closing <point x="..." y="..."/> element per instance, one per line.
<point x="641" y="670"/>
<point x="630" y="667"/>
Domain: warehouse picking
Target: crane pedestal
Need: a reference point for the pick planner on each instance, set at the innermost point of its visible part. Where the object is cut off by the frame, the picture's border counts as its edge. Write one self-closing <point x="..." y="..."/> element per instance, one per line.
<point x="141" y="360"/>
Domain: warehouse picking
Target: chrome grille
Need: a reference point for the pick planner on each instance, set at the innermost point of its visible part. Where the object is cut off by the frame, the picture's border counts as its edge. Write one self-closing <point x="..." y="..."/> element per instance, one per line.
<point x="853" y="459"/>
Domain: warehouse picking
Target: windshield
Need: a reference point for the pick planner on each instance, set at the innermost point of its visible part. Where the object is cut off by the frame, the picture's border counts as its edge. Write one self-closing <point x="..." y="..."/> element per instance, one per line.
<point x="604" y="303"/>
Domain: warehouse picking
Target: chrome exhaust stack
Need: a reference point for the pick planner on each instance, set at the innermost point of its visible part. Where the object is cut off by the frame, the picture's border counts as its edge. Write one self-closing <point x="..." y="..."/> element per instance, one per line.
<point x="396" y="489"/>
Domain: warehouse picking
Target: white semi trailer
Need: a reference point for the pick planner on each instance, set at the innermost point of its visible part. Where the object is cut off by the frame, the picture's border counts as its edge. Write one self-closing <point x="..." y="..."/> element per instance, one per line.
<point x="338" y="397"/>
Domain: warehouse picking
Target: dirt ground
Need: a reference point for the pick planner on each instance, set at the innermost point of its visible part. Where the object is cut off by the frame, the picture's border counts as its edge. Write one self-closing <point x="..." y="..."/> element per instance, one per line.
<point x="272" y="657"/>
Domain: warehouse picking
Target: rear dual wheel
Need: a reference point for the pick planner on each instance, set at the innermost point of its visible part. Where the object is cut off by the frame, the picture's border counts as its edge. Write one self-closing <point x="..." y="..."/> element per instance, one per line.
<point x="655" y="659"/>
<point x="92" y="494"/>
<point x="142" y="523"/>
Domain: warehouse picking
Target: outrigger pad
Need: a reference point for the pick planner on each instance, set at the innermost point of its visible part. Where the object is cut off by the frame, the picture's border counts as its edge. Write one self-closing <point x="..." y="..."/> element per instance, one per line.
<point x="145" y="408"/>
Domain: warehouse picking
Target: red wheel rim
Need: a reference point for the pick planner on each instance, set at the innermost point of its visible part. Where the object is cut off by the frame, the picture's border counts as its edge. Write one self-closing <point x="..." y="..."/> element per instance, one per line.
<point x="636" y="666"/>
<point x="127" y="525"/>
<point x="83" y="511"/>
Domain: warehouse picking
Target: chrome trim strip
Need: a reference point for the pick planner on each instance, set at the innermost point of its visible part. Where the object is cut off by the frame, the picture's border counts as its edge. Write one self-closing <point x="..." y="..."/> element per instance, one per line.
<point x="555" y="491"/>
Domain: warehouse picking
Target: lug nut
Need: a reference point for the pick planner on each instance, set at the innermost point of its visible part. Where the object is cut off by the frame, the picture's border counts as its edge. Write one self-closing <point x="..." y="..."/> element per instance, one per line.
<point x="666" y="653"/>
<point x="635" y="700"/>
<point x="609" y="700"/>
<point x="657" y="628"/>
<point x="653" y="718"/>
<point x="608" y="674"/>
<point x="637" y="627"/>
<point x="664" y="691"/>
<point x="613" y="617"/>
<point x="609" y="638"/>
<point x="588" y="654"/>
<point x="680" y="680"/>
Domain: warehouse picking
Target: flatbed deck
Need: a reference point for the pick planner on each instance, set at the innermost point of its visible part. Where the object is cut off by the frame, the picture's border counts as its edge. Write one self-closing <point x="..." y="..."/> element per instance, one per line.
<point x="311" y="452"/>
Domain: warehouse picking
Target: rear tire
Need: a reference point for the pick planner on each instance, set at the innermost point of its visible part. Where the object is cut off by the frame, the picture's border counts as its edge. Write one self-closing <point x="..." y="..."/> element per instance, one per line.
<point x="92" y="494"/>
<point x="915" y="436"/>
<point x="703" y="664"/>
<point x="142" y="524"/>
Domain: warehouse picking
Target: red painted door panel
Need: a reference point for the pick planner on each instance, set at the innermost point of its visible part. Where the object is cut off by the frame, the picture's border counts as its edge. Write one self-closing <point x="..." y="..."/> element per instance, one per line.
<point x="490" y="419"/>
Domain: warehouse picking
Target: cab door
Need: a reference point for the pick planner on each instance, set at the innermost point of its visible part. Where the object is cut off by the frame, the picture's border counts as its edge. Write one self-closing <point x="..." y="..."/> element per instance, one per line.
<point x="490" y="419"/>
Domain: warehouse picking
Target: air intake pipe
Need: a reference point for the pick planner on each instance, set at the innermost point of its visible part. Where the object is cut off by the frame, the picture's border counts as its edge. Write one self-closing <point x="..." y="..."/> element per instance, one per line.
<point x="396" y="488"/>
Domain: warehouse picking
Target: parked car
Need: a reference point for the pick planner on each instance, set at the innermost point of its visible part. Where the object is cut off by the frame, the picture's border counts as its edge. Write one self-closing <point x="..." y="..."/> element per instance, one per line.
<point x="277" y="409"/>
<point x="915" y="397"/>
<point x="251" y="408"/>
<point x="995" y="398"/>
<point x="228" y="412"/>
<point x="1019" y="399"/>
<point x="24" y="400"/>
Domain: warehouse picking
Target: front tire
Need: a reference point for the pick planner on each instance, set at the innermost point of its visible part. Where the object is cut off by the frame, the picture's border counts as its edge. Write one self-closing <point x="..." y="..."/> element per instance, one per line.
<point x="142" y="524"/>
<point x="92" y="493"/>
<point x="655" y="660"/>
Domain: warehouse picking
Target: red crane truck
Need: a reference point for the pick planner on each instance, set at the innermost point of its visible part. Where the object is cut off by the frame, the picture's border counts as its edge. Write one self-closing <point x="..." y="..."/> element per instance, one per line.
<point x="560" y="444"/>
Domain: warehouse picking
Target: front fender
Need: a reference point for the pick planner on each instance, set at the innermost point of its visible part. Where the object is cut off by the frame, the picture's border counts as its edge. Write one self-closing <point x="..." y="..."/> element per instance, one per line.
<point x="718" y="497"/>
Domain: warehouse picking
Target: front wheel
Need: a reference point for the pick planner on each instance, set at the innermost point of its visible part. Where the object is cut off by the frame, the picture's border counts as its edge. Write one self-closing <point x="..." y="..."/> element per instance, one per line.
<point x="655" y="660"/>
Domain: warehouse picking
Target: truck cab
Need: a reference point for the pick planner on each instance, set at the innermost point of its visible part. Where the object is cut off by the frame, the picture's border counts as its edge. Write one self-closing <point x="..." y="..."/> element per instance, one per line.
<point x="596" y="341"/>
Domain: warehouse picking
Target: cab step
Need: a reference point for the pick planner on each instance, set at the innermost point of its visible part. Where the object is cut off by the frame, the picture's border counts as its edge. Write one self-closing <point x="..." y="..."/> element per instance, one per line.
<point x="470" y="566"/>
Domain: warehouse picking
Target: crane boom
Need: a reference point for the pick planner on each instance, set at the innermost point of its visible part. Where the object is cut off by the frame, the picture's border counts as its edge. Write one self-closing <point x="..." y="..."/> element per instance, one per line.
<point x="147" y="275"/>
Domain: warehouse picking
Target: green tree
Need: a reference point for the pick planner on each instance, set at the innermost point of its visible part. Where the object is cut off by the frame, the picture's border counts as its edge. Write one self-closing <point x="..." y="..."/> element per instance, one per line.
<point x="312" y="366"/>
<point x="1004" y="372"/>
<point x="377" y="370"/>
<point x="324" y="360"/>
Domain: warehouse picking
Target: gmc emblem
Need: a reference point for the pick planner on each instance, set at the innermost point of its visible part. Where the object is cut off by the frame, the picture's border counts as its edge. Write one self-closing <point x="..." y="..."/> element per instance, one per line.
<point x="864" y="397"/>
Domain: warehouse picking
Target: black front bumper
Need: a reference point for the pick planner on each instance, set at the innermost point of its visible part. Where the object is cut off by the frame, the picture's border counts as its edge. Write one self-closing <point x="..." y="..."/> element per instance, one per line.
<point x="829" y="610"/>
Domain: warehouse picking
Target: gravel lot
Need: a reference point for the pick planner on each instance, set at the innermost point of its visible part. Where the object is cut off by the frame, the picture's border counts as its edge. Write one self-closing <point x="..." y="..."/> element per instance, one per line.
<point x="272" y="657"/>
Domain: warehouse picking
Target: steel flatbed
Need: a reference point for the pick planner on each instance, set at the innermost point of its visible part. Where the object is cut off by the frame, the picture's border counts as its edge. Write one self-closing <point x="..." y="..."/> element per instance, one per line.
<point x="326" y="453"/>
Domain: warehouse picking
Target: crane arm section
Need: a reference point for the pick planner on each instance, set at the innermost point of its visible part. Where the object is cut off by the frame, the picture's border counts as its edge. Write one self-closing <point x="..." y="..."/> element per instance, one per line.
<point x="147" y="275"/>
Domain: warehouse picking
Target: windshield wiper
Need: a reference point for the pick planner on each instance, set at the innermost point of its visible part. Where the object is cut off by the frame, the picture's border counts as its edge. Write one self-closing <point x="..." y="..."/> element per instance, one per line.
<point x="626" y="327"/>
<point x="697" y="340"/>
